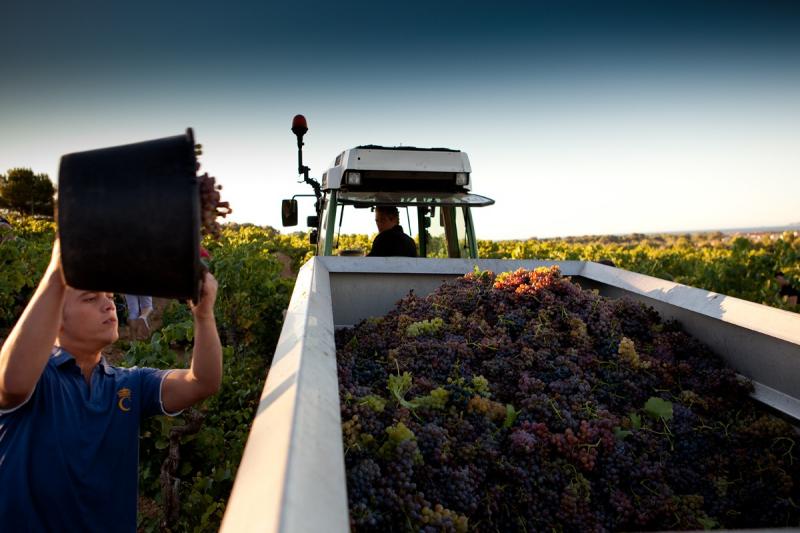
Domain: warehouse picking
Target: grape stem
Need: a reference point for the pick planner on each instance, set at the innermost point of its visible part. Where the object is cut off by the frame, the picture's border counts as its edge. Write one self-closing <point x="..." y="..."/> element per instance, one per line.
<point x="555" y="409"/>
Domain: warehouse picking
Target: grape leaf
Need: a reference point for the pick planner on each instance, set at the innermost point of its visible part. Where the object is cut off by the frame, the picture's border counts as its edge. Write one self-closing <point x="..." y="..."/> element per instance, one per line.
<point x="658" y="408"/>
<point x="399" y="385"/>
<point x="511" y="416"/>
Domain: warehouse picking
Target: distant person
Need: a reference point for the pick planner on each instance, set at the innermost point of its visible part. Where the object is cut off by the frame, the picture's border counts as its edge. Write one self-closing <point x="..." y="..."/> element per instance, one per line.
<point x="786" y="289"/>
<point x="139" y="308"/>
<point x="391" y="241"/>
<point x="6" y="230"/>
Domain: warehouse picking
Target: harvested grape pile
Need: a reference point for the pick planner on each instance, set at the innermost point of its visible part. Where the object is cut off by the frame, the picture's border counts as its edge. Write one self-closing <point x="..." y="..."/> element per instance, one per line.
<point x="523" y="403"/>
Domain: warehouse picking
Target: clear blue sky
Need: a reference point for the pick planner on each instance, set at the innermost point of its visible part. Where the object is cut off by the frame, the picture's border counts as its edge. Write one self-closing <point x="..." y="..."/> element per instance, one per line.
<point x="579" y="117"/>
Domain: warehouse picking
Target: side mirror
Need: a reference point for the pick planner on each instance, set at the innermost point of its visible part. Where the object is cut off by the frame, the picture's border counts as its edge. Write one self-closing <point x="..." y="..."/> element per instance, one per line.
<point x="289" y="212"/>
<point x="313" y="237"/>
<point x="312" y="221"/>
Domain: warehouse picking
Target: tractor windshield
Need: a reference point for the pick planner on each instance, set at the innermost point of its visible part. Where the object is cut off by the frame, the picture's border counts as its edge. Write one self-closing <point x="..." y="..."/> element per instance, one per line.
<point x="440" y="224"/>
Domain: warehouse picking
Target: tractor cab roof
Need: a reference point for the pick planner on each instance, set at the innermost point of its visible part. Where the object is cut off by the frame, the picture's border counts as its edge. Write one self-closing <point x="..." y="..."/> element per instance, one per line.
<point x="400" y="168"/>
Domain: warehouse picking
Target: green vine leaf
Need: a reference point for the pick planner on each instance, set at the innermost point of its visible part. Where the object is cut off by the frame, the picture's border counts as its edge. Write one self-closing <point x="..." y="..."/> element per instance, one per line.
<point x="511" y="416"/>
<point x="399" y="385"/>
<point x="620" y="433"/>
<point x="658" y="408"/>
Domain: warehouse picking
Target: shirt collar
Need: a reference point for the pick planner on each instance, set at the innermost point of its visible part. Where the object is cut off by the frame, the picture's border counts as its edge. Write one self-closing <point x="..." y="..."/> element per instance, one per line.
<point x="61" y="356"/>
<point x="105" y="366"/>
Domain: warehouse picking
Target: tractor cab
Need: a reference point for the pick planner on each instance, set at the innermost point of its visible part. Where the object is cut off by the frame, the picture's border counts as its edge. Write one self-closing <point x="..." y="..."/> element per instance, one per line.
<point x="430" y="187"/>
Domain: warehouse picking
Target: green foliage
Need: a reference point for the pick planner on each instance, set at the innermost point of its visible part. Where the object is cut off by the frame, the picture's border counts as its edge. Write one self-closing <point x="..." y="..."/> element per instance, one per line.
<point x="209" y="458"/>
<point x="178" y="332"/>
<point x="658" y="408"/>
<point x="23" y="261"/>
<point x="621" y="434"/>
<point x="26" y="192"/>
<point x="154" y="353"/>
<point x="175" y="312"/>
<point x="398" y="386"/>
<point x="213" y="454"/>
<point x="252" y="294"/>
<point x="479" y="274"/>
<point x="734" y="266"/>
<point x="250" y="304"/>
<point x="32" y="227"/>
<point x="295" y="245"/>
<point x="352" y="242"/>
<point x="511" y="416"/>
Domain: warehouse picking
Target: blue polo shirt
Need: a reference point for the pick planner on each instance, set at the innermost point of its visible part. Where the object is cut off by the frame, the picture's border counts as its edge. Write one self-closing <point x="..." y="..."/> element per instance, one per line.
<point x="69" y="455"/>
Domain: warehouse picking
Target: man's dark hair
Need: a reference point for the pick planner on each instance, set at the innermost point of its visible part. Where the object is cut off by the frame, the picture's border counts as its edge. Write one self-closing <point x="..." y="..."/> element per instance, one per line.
<point x="388" y="210"/>
<point x="779" y="273"/>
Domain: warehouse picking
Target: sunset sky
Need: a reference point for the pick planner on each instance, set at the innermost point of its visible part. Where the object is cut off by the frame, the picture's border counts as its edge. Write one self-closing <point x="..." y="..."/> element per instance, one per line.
<point x="578" y="117"/>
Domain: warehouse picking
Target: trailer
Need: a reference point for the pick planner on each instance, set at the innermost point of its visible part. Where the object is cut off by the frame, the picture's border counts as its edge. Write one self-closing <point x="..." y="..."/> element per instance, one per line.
<point x="292" y="474"/>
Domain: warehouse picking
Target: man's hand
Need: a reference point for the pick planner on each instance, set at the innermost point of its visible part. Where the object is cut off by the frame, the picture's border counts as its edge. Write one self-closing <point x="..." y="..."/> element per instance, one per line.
<point x="205" y="307"/>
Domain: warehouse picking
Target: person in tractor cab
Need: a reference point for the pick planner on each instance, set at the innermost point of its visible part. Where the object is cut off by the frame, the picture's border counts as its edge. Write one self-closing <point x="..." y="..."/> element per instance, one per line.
<point x="69" y="421"/>
<point x="391" y="241"/>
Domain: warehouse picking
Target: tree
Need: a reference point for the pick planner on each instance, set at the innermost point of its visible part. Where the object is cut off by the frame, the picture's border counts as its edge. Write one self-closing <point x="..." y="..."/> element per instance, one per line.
<point x="26" y="192"/>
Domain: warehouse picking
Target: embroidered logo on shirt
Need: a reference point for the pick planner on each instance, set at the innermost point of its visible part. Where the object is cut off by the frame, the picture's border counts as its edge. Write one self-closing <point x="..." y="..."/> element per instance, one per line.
<point x="124" y="402"/>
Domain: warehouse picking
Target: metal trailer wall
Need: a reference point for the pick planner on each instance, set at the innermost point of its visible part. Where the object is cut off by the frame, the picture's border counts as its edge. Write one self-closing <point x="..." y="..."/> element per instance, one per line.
<point x="292" y="479"/>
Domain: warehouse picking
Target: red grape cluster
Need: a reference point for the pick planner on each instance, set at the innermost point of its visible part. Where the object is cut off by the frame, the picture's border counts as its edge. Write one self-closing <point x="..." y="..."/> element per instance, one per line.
<point x="523" y="403"/>
<point x="211" y="206"/>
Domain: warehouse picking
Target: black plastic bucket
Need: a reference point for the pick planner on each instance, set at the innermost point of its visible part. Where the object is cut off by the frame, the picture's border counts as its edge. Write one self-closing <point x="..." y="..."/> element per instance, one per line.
<point x="129" y="218"/>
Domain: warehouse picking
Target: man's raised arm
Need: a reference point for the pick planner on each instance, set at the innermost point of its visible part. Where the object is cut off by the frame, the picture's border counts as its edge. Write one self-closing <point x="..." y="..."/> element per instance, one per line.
<point x="28" y="347"/>
<point x="184" y="388"/>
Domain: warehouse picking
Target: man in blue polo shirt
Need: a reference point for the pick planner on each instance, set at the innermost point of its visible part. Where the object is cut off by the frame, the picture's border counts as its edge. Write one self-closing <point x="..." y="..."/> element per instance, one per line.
<point x="69" y="421"/>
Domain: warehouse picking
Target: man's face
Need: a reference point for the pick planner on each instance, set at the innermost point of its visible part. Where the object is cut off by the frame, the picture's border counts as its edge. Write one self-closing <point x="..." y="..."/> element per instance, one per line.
<point x="384" y="221"/>
<point x="781" y="280"/>
<point x="89" y="318"/>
